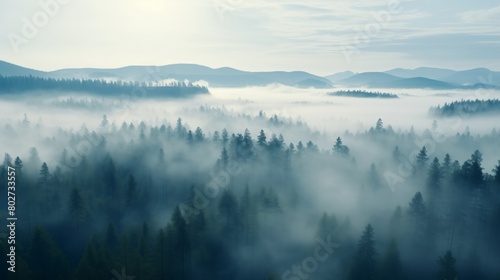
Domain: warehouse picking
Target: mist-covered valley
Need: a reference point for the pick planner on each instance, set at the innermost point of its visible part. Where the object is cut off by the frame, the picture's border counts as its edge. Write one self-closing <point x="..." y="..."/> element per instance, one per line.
<point x="271" y="182"/>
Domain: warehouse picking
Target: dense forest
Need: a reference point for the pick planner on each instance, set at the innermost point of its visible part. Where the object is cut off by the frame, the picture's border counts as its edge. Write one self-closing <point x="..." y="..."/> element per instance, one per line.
<point x="363" y="94"/>
<point x="164" y="201"/>
<point x="23" y="84"/>
<point x="467" y="108"/>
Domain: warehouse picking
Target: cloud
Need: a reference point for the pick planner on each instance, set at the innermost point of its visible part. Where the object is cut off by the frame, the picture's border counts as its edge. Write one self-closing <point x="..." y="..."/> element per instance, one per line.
<point x="490" y="16"/>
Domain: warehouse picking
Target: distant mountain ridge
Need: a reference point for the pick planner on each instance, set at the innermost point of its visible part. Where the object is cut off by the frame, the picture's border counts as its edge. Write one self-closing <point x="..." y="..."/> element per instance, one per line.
<point x="216" y="77"/>
<point x="424" y="77"/>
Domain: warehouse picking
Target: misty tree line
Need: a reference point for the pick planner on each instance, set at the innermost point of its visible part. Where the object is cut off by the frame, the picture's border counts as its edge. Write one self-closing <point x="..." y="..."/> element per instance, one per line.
<point x="466" y="107"/>
<point x="22" y="84"/>
<point x="116" y="196"/>
<point x="363" y="94"/>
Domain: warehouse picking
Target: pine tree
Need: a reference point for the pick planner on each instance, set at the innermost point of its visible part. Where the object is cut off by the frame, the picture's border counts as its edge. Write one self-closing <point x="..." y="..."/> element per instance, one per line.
<point x="94" y="264"/>
<point x="476" y="176"/>
<point x="111" y="238"/>
<point x="496" y="173"/>
<point x="44" y="180"/>
<point x="434" y="179"/>
<point x="225" y="137"/>
<point x="261" y="139"/>
<point x="190" y="137"/>
<point x="390" y="265"/>
<point x="131" y="199"/>
<point x="181" y="246"/>
<point x="228" y="207"/>
<point x="396" y="154"/>
<point x="418" y="214"/>
<point x="447" y="166"/>
<point x="379" y="126"/>
<point x="109" y="180"/>
<point x="77" y="209"/>
<point x="447" y="267"/>
<point x="161" y="251"/>
<point x="198" y="135"/>
<point x="364" y="261"/>
<point x="339" y="148"/>
<point x="18" y="163"/>
<point x="422" y="158"/>
<point x="374" y="178"/>
<point x="46" y="259"/>
<point x="224" y="159"/>
<point x="327" y="225"/>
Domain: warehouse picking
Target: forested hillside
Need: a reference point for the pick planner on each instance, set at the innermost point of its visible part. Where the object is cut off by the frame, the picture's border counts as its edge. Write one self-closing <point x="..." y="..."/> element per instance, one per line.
<point x="26" y="84"/>
<point x="165" y="201"/>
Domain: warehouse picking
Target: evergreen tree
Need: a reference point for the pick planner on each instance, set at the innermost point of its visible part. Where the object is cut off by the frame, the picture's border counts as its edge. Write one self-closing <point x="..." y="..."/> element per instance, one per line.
<point x="228" y="206"/>
<point x="327" y="225"/>
<point x="198" y="135"/>
<point x="261" y="139"/>
<point x="339" y="148"/>
<point x="434" y="179"/>
<point x="496" y="173"/>
<point x="300" y="147"/>
<point x="422" y="158"/>
<point x="131" y="199"/>
<point x="225" y="137"/>
<point x="181" y="246"/>
<point x="77" y="209"/>
<point x="18" y="163"/>
<point x="447" y="166"/>
<point x="447" y="267"/>
<point x="46" y="260"/>
<point x="94" y="264"/>
<point x="396" y="153"/>
<point x="44" y="180"/>
<point x="111" y="238"/>
<point x="180" y="129"/>
<point x="390" y="265"/>
<point x="418" y="214"/>
<point x="476" y="176"/>
<point x="374" y="178"/>
<point x="379" y="126"/>
<point x="364" y="261"/>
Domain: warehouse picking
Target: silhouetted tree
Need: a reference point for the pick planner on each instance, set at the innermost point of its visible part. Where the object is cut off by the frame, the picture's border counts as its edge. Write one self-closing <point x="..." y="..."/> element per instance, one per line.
<point x="364" y="261"/>
<point x="339" y="148"/>
<point x="447" y="267"/>
<point x="390" y="264"/>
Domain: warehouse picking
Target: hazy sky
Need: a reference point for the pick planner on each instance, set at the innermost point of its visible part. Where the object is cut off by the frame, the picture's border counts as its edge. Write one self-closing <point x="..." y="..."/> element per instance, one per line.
<point x="319" y="36"/>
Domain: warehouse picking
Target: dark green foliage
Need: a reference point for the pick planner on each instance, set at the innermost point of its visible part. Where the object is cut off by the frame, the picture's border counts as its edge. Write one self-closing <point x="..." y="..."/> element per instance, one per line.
<point x="327" y="225"/>
<point x="364" y="266"/>
<point x="46" y="259"/>
<point x="18" y="84"/>
<point x="418" y="215"/>
<point x="434" y="179"/>
<point x="390" y="263"/>
<point x="496" y="173"/>
<point x="467" y="108"/>
<point x="447" y="267"/>
<point x="254" y="221"/>
<point x="422" y="158"/>
<point x="132" y="195"/>
<point x="363" y="94"/>
<point x="339" y="148"/>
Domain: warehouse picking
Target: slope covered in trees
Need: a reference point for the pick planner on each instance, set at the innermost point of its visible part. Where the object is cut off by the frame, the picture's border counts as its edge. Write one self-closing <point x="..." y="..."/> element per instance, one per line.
<point x="467" y="108"/>
<point x="25" y="84"/>
<point x="363" y="94"/>
<point x="166" y="201"/>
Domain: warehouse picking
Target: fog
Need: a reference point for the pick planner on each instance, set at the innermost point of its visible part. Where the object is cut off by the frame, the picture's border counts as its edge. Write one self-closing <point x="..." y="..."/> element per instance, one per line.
<point x="154" y="185"/>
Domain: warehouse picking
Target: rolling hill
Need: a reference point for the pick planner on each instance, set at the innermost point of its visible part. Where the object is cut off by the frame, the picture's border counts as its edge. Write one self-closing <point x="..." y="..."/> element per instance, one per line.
<point x="216" y="77"/>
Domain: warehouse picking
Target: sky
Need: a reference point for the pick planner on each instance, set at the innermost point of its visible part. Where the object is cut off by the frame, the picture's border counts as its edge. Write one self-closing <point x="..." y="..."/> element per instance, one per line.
<point x="319" y="36"/>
